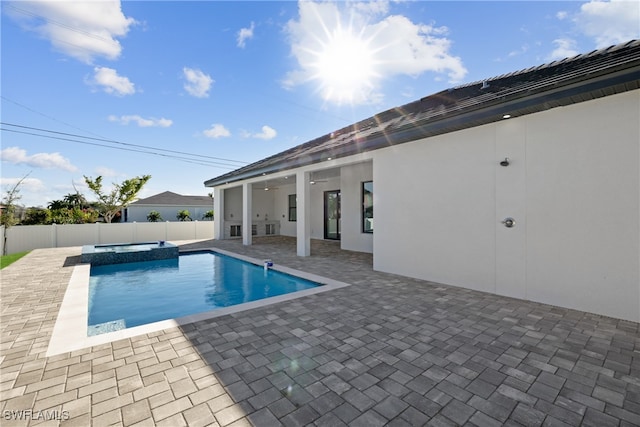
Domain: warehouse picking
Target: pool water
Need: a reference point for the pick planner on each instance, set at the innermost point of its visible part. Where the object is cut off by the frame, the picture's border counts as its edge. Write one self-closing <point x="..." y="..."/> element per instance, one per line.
<point x="137" y="293"/>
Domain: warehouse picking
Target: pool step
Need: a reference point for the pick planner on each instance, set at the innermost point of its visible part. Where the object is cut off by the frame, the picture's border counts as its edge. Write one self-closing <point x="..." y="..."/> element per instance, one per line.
<point x="103" y="328"/>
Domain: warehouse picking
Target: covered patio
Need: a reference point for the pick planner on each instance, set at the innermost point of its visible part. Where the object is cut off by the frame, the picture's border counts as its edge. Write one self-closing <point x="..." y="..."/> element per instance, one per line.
<point x="386" y="350"/>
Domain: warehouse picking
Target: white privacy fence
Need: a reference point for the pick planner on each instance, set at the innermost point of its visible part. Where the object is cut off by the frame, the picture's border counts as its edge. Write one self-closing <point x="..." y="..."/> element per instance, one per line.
<point x="27" y="237"/>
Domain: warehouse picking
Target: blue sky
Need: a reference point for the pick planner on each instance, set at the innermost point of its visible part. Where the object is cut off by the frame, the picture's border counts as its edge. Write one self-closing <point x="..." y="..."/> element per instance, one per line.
<point x="187" y="91"/>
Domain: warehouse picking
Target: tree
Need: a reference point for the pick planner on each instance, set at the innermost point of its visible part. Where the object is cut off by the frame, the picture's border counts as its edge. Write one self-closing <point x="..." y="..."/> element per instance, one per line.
<point x="154" y="216"/>
<point x="208" y="215"/>
<point x="184" y="215"/>
<point x="75" y="200"/>
<point x="57" y="204"/>
<point x="83" y="216"/>
<point x="120" y="196"/>
<point x="8" y="212"/>
<point x="10" y="200"/>
<point x="37" y="216"/>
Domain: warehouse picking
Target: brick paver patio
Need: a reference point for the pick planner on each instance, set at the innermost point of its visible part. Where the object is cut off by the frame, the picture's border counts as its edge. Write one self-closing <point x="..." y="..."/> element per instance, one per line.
<point x="387" y="350"/>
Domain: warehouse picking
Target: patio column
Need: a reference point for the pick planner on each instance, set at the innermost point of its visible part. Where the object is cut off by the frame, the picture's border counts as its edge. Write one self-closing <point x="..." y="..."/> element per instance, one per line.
<point x="218" y="213"/>
<point x="247" y="196"/>
<point x="303" y="214"/>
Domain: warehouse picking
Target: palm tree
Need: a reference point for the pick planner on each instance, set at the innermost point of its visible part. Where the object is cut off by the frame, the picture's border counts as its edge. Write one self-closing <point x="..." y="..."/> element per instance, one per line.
<point x="75" y="200"/>
<point x="57" y="204"/>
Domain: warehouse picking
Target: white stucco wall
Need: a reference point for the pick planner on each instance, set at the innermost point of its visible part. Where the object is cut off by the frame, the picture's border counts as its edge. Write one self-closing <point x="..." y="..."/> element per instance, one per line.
<point x="573" y="187"/>
<point x="233" y="204"/>
<point x="351" y="179"/>
<point x="262" y="205"/>
<point x="583" y="217"/>
<point x="435" y="208"/>
<point x="281" y="207"/>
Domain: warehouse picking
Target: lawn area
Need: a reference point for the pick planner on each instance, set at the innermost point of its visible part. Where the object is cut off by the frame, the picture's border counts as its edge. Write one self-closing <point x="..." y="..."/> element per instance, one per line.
<point x="9" y="259"/>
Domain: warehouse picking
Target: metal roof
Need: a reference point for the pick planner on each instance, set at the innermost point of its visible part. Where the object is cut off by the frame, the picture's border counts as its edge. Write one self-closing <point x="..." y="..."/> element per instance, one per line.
<point x="584" y="77"/>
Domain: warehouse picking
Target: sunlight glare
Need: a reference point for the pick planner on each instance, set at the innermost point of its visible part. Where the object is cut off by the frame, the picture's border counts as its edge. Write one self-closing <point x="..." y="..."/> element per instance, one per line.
<point x="345" y="67"/>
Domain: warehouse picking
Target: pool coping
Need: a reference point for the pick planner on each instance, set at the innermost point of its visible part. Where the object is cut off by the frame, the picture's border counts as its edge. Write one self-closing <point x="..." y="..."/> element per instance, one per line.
<point x="67" y="336"/>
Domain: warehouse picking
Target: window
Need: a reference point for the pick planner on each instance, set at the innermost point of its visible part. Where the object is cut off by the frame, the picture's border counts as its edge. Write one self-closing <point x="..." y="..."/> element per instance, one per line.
<point x="367" y="207"/>
<point x="292" y="207"/>
<point x="236" y="230"/>
<point x="254" y="230"/>
<point x="270" y="229"/>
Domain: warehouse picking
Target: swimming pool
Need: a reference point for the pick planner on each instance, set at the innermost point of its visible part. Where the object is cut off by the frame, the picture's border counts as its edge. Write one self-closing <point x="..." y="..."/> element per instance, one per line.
<point x="132" y="294"/>
<point x="70" y="330"/>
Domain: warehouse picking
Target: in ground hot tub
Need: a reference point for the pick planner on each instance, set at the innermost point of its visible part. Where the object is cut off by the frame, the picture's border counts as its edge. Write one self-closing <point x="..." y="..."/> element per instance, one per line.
<point x="128" y="252"/>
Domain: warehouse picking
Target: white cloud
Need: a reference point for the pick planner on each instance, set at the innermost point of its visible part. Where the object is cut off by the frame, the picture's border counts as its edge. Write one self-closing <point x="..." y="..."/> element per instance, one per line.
<point x="565" y="48"/>
<point x="111" y="82"/>
<point x="198" y="83"/>
<point x="372" y="8"/>
<point x="562" y="15"/>
<point x="141" y="121"/>
<point x="267" y="133"/>
<point x="609" y="22"/>
<point x="354" y="44"/>
<point x="28" y="184"/>
<point x="217" y="131"/>
<point x="83" y="30"/>
<point x="105" y="171"/>
<point x="17" y="155"/>
<point x="523" y="49"/>
<point x="245" y="34"/>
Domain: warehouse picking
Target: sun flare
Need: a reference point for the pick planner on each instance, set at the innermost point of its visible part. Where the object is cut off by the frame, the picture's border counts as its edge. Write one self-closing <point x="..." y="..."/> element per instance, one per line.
<point x="345" y="67"/>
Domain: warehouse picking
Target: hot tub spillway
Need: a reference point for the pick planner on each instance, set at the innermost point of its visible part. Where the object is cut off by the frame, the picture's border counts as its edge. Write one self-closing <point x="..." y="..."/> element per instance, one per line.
<point x="119" y="253"/>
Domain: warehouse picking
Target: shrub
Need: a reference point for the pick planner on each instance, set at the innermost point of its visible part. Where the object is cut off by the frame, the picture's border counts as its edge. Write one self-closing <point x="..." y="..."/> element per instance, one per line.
<point x="37" y="216"/>
<point x="184" y="215"/>
<point x="154" y="216"/>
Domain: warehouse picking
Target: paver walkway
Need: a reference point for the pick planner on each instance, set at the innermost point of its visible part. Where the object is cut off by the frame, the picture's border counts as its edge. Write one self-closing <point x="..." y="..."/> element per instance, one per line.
<point x="386" y="350"/>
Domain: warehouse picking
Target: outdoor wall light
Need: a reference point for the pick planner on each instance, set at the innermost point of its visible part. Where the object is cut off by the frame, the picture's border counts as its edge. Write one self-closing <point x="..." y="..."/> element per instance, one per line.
<point x="505" y="162"/>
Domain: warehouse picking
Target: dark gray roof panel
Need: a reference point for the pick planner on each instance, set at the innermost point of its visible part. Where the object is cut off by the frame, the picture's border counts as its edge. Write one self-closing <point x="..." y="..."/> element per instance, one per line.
<point x="173" y="199"/>
<point x="581" y="78"/>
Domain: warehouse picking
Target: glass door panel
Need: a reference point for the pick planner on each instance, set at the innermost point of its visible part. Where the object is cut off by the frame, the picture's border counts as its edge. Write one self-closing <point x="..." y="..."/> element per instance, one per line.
<point x="332" y="215"/>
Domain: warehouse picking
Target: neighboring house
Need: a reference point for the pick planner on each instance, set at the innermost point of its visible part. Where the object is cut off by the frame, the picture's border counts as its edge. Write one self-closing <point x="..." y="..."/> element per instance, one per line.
<point x="525" y="185"/>
<point x="20" y="211"/>
<point x="168" y="204"/>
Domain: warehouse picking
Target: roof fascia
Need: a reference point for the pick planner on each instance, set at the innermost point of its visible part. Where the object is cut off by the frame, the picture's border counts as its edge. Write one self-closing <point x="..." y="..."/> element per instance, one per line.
<point x="312" y="167"/>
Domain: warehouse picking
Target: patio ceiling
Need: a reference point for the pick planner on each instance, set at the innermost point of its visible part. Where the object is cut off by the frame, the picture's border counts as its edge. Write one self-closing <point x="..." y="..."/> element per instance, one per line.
<point x="271" y="182"/>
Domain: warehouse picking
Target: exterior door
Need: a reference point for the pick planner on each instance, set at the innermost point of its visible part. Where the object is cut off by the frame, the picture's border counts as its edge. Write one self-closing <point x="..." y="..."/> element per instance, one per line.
<point x="332" y="215"/>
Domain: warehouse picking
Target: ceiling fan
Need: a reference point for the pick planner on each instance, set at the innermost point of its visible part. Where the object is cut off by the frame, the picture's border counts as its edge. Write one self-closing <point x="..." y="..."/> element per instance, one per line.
<point x="266" y="187"/>
<point x="314" y="181"/>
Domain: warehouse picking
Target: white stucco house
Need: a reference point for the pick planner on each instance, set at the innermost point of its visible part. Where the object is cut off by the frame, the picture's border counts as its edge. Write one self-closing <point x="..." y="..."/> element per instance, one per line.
<point x="167" y="204"/>
<point x="525" y="185"/>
